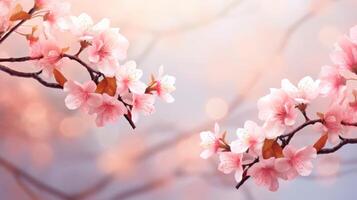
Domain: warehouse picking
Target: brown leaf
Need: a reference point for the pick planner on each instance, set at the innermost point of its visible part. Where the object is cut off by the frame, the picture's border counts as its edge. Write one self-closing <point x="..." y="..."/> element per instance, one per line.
<point x="321" y="142"/>
<point x="19" y="14"/>
<point x="271" y="148"/>
<point x="107" y="85"/>
<point x="59" y="77"/>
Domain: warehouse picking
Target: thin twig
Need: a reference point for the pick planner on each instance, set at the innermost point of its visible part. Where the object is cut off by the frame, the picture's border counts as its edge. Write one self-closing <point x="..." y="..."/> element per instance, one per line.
<point x="33" y="75"/>
<point x="20" y="59"/>
<point x="343" y="142"/>
<point x="26" y="189"/>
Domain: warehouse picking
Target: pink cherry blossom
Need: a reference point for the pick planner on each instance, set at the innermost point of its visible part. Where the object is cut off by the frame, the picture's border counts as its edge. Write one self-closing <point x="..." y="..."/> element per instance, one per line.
<point x="108" y="47"/>
<point x="353" y="34"/>
<point x="211" y="142"/>
<point x="331" y="81"/>
<point x="306" y="91"/>
<point x="142" y="103"/>
<point x="332" y="122"/>
<point x="296" y="162"/>
<point x="230" y="162"/>
<point x="265" y="174"/>
<point x="250" y="137"/>
<point x="109" y="110"/>
<point x="278" y="111"/>
<point x="165" y="86"/>
<point x="56" y="11"/>
<point x="81" y="95"/>
<point x="51" y="54"/>
<point x="128" y="78"/>
<point x="5" y="7"/>
<point x="83" y="27"/>
<point x="345" y="55"/>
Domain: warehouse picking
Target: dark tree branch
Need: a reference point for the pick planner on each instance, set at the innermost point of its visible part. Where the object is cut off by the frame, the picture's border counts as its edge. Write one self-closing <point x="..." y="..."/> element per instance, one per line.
<point x="343" y="142"/>
<point x="33" y="75"/>
<point x="291" y="134"/>
<point x="19" y="59"/>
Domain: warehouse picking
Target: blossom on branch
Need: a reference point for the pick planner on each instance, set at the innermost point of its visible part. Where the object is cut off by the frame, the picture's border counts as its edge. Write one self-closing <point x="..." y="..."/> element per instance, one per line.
<point x="272" y="155"/>
<point x="251" y="138"/>
<point x="296" y="162"/>
<point x="278" y="111"/>
<point x="114" y="89"/>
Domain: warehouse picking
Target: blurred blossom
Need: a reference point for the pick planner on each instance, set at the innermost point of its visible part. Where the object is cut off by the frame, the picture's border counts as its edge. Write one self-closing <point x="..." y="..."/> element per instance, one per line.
<point x="121" y="159"/>
<point x="69" y="126"/>
<point x="216" y="108"/>
<point x="328" y="35"/>
<point x="328" y="166"/>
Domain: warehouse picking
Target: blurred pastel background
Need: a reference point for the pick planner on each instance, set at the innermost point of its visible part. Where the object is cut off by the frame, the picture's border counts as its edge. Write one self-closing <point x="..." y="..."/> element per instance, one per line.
<point x="225" y="54"/>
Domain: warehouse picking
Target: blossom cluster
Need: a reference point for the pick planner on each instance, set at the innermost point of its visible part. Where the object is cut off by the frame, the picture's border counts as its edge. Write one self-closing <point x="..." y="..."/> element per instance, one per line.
<point x="264" y="152"/>
<point x="115" y="88"/>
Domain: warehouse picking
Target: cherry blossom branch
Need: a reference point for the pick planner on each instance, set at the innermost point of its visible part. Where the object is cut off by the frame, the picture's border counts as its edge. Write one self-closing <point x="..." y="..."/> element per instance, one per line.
<point x="343" y="142"/>
<point x="291" y="134"/>
<point x="4" y="37"/>
<point x="25" y="188"/>
<point x="20" y="59"/>
<point x="33" y="75"/>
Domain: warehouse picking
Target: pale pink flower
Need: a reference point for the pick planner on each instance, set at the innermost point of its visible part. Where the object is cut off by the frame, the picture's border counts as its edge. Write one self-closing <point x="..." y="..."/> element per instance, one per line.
<point x="353" y="34"/>
<point x="211" y="142"/>
<point x="332" y="122"/>
<point x="56" y="12"/>
<point x="81" y="95"/>
<point x="83" y="27"/>
<point x="296" y="161"/>
<point x="331" y="81"/>
<point x="5" y="8"/>
<point x="80" y="26"/>
<point x="345" y="55"/>
<point x="265" y="174"/>
<point x="306" y="91"/>
<point x="108" y="47"/>
<point x="4" y="24"/>
<point x="250" y="137"/>
<point x="42" y="3"/>
<point x="164" y="86"/>
<point x="230" y="162"/>
<point x="109" y="110"/>
<point x="278" y="111"/>
<point x="142" y="103"/>
<point x="128" y="78"/>
<point x="51" y="54"/>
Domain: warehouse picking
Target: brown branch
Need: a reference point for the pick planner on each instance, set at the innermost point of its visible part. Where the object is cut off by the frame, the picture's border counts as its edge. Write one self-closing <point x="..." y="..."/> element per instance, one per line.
<point x="26" y="189"/>
<point x="94" y="189"/>
<point x="20" y="59"/>
<point x="33" y="75"/>
<point x="349" y="123"/>
<point x="291" y="134"/>
<point x="4" y="37"/>
<point x="343" y="142"/>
